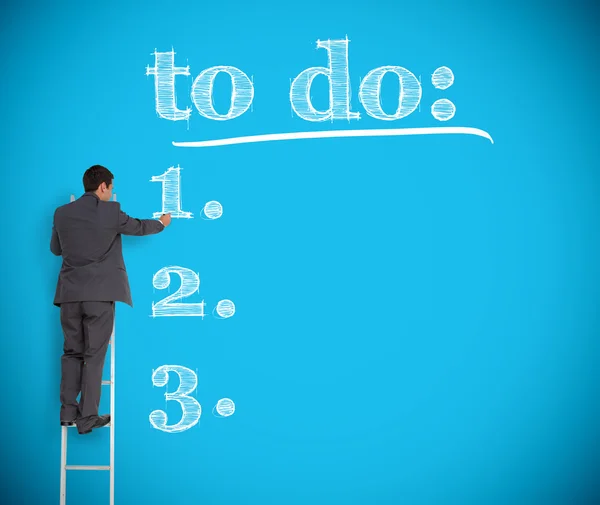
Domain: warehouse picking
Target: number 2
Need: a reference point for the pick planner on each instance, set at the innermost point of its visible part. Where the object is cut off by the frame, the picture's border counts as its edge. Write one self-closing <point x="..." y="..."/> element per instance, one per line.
<point x="190" y="283"/>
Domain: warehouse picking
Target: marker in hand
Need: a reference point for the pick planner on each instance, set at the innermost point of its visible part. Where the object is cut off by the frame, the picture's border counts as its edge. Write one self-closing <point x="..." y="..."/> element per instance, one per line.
<point x="165" y="219"/>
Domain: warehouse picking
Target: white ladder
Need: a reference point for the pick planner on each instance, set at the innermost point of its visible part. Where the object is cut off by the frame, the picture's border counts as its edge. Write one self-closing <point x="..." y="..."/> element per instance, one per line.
<point x="63" y="453"/>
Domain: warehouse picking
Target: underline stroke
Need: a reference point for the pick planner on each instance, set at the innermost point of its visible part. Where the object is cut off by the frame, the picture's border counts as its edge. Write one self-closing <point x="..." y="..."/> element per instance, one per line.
<point x="393" y="132"/>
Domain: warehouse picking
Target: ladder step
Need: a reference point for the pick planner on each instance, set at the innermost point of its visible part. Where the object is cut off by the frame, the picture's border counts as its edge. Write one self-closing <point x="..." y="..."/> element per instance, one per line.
<point x="106" y="383"/>
<point x="75" y="426"/>
<point x="86" y="467"/>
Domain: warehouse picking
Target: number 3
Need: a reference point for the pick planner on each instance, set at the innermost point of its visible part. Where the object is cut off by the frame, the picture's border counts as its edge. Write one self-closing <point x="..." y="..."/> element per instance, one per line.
<point x="191" y="409"/>
<point x="190" y="283"/>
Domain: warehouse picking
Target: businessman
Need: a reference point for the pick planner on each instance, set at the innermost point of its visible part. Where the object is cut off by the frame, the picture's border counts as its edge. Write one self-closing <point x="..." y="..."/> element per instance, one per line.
<point x="87" y="234"/>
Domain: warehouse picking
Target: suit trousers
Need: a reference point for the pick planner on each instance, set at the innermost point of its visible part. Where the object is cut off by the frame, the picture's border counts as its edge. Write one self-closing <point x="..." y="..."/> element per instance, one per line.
<point x="87" y="328"/>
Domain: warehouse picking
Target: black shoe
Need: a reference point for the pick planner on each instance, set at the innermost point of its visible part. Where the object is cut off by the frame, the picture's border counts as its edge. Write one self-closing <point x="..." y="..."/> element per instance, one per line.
<point x="98" y="423"/>
<point x="69" y="423"/>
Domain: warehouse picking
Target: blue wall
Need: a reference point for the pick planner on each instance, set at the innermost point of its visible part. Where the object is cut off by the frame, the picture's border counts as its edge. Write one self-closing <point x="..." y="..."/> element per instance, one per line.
<point x="416" y="317"/>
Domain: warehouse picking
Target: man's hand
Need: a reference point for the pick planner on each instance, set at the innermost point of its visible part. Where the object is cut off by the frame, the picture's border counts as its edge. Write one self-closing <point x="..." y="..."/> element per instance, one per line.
<point x="165" y="219"/>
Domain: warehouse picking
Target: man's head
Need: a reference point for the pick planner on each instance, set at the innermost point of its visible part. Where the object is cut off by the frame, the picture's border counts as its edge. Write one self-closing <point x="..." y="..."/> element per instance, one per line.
<point x="99" y="179"/>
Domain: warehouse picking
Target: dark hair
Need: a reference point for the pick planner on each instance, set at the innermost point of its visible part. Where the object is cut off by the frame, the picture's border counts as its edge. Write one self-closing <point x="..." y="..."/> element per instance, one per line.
<point x="96" y="175"/>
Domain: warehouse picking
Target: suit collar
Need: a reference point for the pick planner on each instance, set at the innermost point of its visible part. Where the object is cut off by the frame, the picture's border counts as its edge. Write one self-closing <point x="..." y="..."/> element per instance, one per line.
<point x="93" y="195"/>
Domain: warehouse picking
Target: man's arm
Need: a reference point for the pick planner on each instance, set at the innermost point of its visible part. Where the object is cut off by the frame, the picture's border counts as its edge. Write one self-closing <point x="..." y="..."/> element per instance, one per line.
<point x="132" y="226"/>
<point x="55" y="242"/>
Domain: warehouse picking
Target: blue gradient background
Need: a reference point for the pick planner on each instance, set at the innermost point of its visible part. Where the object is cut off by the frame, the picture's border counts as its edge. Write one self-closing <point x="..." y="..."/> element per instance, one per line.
<point x="417" y="317"/>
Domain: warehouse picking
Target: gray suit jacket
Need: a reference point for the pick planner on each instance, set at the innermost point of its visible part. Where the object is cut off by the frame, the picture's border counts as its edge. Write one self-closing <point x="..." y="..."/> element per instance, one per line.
<point x="87" y="234"/>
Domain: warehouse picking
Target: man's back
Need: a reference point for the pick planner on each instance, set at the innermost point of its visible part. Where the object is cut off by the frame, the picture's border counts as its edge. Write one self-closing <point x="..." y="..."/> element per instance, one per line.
<point x="87" y="233"/>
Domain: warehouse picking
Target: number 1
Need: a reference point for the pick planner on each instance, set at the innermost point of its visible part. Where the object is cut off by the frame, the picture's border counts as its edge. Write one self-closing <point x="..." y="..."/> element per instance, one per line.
<point x="171" y="194"/>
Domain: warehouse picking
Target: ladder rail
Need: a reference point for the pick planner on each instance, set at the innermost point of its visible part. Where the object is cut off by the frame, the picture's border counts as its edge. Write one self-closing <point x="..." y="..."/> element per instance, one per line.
<point x="63" y="466"/>
<point x="112" y="416"/>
